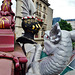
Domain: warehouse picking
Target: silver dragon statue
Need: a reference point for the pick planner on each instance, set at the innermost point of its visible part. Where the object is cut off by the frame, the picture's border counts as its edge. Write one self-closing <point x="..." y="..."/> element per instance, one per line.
<point x="57" y="46"/>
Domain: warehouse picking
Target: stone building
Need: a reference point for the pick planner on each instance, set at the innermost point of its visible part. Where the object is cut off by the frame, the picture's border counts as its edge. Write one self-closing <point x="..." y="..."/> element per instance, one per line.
<point x="43" y="11"/>
<point x="72" y="22"/>
<point x="18" y="18"/>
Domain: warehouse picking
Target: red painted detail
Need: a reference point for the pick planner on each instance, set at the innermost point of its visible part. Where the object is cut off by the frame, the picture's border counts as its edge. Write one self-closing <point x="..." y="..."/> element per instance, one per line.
<point x="36" y="36"/>
<point x="41" y="20"/>
<point x="41" y="36"/>
<point x="23" y="60"/>
<point x="32" y="17"/>
<point x="47" y="36"/>
<point x="23" y="18"/>
<point x="28" y="17"/>
<point x="6" y="40"/>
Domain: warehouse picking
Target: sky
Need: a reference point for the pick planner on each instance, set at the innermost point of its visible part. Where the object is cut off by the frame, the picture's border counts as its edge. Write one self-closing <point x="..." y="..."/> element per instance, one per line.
<point x="64" y="9"/>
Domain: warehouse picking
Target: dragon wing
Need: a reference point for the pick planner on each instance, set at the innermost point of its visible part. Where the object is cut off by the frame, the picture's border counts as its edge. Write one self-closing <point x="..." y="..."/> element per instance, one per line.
<point x="28" y="8"/>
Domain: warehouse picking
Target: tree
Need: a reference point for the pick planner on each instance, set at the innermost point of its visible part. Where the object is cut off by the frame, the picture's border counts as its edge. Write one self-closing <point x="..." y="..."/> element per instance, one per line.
<point x="64" y="25"/>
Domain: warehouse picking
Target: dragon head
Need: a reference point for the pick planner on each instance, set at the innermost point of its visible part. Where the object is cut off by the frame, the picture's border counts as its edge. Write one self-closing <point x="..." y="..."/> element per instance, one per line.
<point x="51" y="38"/>
<point x="54" y="35"/>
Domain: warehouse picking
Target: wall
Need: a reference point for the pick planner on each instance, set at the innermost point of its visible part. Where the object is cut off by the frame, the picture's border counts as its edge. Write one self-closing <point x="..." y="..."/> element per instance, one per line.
<point x="72" y="23"/>
<point x="49" y="18"/>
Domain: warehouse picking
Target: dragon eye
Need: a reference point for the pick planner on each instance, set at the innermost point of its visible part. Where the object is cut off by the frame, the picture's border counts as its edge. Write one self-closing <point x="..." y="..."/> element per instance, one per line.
<point x="47" y="37"/>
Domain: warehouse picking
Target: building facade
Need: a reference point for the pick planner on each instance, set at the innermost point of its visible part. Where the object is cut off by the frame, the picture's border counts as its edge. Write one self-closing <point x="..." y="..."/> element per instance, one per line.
<point x="43" y="11"/>
<point x="72" y="22"/>
<point x="18" y="18"/>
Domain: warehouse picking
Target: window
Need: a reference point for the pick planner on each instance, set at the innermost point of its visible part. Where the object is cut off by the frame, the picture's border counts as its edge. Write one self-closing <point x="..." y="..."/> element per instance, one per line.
<point x="44" y="9"/>
<point x="40" y="6"/>
<point x="44" y="16"/>
<point x="36" y="35"/>
<point x="36" y="12"/>
<point x="39" y="14"/>
<point x="42" y="34"/>
<point x="36" y="5"/>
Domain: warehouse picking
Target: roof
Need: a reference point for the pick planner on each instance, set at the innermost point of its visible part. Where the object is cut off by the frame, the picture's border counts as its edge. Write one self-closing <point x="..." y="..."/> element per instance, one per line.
<point x="56" y="20"/>
<point x="70" y="19"/>
<point x="45" y="2"/>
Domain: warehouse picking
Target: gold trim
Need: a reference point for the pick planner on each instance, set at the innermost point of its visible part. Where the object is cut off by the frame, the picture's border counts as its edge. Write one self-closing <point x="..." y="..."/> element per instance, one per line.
<point x="1" y="24"/>
<point x="37" y="26"/>
<point x="4" y="1"/>
<point x="3" y="21"/>
<point x="25" y="21"/>
<point x="5" y="4"/>
<point x="33" y="27"/>
<point x="4" y="17"/>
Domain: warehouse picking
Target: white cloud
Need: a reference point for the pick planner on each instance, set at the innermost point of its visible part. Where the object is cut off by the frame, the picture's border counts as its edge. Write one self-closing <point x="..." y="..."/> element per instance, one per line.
<point x="63" y="8"/>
